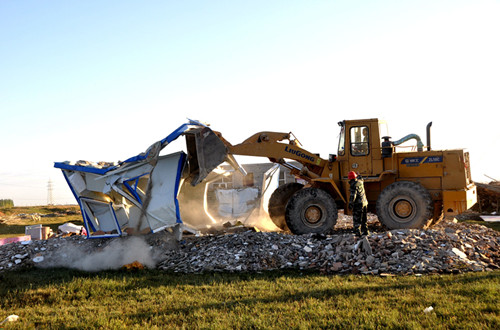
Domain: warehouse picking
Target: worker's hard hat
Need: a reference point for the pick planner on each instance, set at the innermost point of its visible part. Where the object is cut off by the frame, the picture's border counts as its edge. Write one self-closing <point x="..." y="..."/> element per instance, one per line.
<point x="352" y="175"/>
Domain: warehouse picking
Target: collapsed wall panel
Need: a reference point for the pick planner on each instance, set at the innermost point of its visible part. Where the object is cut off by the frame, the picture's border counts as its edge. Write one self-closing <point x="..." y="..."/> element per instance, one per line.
<point x="137" y="198"/>
<point x="162" y="207"/>
<point x="99" y="218"/>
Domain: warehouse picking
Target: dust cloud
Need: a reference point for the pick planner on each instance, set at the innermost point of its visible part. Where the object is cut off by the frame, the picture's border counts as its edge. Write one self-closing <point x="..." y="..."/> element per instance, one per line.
<point x="103" y="255"/>
<point x="262" y="222"/>
<point x="194" y="215"/>
<point x="192" y="210"/>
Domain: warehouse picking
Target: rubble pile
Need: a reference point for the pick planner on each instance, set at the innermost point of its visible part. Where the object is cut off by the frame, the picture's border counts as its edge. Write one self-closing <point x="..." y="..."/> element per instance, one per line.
<point x="454" y="249"/>
<point x="27" y="254"/>
<point x="447" y="248"/>
<point x="488" y="197"/>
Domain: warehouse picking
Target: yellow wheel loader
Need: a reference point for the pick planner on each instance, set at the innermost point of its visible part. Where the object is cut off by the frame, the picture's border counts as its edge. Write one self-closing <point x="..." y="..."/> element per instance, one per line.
<point x="413" y="189"/>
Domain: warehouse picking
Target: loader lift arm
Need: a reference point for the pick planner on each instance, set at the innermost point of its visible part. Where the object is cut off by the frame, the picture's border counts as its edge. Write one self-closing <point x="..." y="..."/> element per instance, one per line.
<point x="271" y="145"/>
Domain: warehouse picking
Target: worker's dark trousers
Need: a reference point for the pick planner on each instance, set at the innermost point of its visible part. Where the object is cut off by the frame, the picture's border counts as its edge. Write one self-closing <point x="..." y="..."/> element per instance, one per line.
<point x="359" y="217"/>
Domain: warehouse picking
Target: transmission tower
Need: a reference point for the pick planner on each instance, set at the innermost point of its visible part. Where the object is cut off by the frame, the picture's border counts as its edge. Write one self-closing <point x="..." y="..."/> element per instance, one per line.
<point x="50" y="197"/>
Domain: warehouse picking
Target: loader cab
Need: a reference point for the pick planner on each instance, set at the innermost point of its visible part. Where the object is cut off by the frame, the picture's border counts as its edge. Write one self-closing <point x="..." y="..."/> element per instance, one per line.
<point x="359" y="147"/>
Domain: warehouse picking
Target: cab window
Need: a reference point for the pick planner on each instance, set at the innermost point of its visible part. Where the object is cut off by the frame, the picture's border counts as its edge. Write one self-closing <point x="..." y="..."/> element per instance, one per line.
<point x="341" y="151"/>
<point x="359" y="141"/>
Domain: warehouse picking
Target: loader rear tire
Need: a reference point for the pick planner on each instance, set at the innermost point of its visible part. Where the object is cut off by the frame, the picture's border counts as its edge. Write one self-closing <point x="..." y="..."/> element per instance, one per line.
<point x="278" y="201"/>
<point x="404" y="204"/>
<point x="311" y="210"/>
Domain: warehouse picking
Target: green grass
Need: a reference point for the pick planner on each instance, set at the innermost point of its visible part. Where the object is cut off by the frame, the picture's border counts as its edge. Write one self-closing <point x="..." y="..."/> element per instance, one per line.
<point x="44" y="209"/>
<point x="152" y="299"/>
<point x="17" y="228"/>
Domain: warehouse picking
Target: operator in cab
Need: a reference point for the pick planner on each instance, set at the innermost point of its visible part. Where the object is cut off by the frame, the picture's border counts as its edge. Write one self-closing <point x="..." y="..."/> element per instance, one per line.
<point x="358" y="204"/>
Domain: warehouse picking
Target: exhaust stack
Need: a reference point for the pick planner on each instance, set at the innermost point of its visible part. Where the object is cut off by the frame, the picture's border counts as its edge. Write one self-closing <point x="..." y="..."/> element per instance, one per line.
<point x="428" y="130"/>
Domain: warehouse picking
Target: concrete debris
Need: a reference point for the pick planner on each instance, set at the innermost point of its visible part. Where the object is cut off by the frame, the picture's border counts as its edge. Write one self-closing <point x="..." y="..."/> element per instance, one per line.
<point x="402" y="252"/>
<point x="447" y="248"/>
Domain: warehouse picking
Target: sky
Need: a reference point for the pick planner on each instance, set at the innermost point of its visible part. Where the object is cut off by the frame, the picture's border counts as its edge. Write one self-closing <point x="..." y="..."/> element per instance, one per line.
<point x="103" y="80"/>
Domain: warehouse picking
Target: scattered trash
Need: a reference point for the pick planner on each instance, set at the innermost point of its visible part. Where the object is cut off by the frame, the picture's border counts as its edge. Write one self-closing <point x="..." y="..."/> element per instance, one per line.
<point x="10" y="318"/>
<point x="428" y="309"/>
<point x="38" y="232"/>
<point x="490" y="218"/>
<point x="22" y="239"/>
<point x="35" y="231"/>
<point x="69" y="228"/>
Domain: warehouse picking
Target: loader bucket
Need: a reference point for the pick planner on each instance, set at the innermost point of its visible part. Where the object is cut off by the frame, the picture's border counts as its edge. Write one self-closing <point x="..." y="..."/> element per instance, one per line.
<point x="205" y="152"/>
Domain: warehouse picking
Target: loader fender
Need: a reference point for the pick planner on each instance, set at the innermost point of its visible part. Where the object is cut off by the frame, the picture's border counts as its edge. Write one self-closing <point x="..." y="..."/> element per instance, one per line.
<point x="332" y="183"/>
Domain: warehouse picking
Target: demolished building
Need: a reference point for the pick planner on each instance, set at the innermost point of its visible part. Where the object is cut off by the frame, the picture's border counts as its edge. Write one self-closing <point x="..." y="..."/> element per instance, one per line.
<point x="141" y="194"/>
<point x="134" y="196"/>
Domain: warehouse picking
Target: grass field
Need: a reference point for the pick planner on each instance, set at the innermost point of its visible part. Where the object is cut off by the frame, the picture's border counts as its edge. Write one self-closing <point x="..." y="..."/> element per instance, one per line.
<point x="17" y="228"/>
<point x="152" y="299"/>
<point x="61" y="298"/>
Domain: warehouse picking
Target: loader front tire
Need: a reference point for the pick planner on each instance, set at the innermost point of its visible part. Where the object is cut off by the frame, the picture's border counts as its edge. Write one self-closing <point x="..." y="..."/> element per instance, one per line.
<point x="405" y="204"/>
<point x="278" y="201"/>
<point x="311" y="210"/>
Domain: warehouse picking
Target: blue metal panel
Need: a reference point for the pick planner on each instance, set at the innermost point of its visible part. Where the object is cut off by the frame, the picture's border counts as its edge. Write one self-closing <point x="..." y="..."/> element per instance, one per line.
<point x="88" y="169"/>
<point x="84" y="214"/>
<point x="174" y="135"/>
<point x="133" y="190"/>
<point x="180" y="167"/>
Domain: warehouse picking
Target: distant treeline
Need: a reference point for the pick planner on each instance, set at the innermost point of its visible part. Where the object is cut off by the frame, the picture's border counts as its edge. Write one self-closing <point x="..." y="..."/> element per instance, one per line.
<point x="6" y="203"/>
